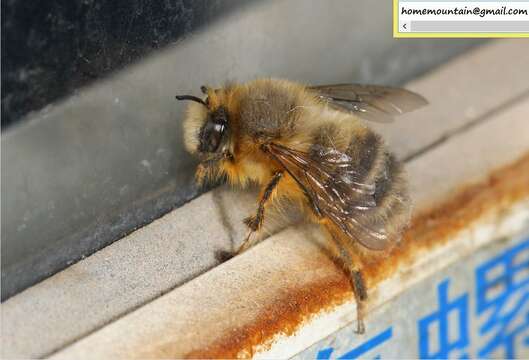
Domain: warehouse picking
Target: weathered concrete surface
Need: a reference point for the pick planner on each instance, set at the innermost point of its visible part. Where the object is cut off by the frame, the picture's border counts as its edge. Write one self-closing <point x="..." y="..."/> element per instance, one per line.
<point x="223" y="313"/>
<point x="168" y="252"/>
<point x="125" y="275"/>
<point x="461" y="92"/>
<point x="467" y="156"/>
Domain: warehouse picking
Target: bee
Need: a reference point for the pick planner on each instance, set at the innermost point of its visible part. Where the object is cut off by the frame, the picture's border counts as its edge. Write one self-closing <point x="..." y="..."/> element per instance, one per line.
<point x="309" y="144"/>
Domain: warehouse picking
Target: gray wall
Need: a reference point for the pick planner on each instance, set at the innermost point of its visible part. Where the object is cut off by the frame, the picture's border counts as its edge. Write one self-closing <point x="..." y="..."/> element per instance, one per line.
<point x="84" y="171"/>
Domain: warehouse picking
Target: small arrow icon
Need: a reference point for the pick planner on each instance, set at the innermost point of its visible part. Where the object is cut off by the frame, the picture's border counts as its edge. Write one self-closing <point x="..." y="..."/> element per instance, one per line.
<point x="405" y="26"/>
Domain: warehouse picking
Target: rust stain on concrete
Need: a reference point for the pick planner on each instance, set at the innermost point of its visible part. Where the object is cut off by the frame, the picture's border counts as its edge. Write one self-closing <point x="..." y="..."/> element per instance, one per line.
<point x="282" y="316"/>
<point x="503" y="188"/>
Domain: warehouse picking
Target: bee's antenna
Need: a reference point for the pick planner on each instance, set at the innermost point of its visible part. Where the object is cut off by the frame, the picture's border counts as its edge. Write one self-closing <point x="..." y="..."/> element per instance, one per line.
<point x="192" y="98"/>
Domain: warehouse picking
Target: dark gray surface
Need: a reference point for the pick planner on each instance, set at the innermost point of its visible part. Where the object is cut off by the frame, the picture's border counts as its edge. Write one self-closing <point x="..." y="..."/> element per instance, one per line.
<point x="51" y="48"/>
<point x="85" y="171"/>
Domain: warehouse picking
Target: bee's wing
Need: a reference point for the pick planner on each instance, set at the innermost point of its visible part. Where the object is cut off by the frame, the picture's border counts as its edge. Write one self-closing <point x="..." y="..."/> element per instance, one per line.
<point x="370" y="102"/>
<point x="332" y="186"/>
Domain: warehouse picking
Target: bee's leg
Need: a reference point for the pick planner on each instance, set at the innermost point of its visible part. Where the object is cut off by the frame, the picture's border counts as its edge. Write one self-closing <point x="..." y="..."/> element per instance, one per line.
<point x="360" y="292"/>
<point x="255" y="222"/>
<point x="357" y="281"/>
<point x="343" y="251"/>
<point x="247" y="243"/>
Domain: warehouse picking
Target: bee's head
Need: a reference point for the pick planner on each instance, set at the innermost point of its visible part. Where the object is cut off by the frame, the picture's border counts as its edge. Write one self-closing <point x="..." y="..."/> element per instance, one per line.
<point x="206" y="126"/>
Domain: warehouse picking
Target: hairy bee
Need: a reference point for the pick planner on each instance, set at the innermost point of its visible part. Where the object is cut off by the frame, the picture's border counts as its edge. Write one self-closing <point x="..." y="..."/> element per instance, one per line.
<point x="308" y="144"/>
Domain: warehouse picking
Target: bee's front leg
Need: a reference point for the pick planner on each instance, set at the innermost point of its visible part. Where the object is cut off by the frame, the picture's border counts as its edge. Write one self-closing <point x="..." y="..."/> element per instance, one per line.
<point x="255" y="222"/>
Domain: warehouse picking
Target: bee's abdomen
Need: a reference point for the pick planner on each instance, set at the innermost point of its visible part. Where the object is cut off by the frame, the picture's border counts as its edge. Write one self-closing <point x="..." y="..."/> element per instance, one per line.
<point x="377" y="165"/>
<point x="391" y="195"/>
<point x="365" y="150"/>
<point x="372" y="164"/>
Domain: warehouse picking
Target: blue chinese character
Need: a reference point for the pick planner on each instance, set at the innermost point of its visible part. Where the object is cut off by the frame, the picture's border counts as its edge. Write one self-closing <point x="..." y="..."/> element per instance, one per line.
<point x="359" y="350"/>
<point x="440" y="317"/>
<point x="502" y="288"/>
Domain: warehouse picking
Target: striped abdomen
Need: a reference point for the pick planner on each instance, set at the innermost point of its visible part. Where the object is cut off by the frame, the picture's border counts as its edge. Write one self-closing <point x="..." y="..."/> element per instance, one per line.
<point x="388" y="206"/>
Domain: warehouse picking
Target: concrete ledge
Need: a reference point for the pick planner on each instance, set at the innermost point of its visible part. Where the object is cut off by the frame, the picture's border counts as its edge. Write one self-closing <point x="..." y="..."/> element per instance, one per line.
<point x="170" y="251"/>
<point x="270" y="301"/>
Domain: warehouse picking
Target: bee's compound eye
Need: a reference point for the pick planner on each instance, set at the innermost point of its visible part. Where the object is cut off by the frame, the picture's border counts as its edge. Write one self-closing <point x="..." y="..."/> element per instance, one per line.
<point x="214" y="131"/>
<point x="215" y="137"/>
<point x="211" y="136"/>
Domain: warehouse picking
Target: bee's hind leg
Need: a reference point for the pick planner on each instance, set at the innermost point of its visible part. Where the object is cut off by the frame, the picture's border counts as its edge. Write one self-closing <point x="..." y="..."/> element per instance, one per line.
<point x="360" y="293"/>
<point x="255" y="222"/>
<point x="344" y="252"/>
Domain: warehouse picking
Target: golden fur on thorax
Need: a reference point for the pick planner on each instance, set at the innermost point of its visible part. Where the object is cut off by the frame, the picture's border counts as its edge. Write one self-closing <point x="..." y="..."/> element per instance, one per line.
<point x="249" y="163"/>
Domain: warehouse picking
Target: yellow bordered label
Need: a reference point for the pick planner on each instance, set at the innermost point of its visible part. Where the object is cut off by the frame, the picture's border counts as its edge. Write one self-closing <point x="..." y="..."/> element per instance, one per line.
<point x="407" y="33"/>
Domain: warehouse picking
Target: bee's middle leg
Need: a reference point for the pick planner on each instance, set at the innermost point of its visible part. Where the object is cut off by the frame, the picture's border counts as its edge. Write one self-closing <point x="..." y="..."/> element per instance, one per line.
<point x="256" y="221"/>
